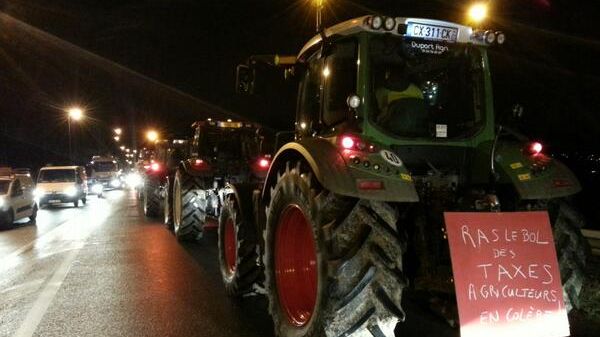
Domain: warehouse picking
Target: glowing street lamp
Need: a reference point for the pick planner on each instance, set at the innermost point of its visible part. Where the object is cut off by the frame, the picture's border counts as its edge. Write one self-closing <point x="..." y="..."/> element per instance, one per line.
<point x="117" y="138"/>
<point x="76" y="114"/>
<point x="118" y="131"/>
<point x="122" y="147"/>
<point x="152" y="135"/>
<point x="478" y="12"/>
<point x="319" y="18"/>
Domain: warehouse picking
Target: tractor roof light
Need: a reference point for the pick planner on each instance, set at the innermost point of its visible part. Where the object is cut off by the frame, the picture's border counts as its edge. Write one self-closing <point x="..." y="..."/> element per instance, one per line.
<point x="489" y="37"/>
<point x="389" y="23"/>
<point x="353" y="101"/>
<point x="500" y="38"/>
<point x="376" y="22"/>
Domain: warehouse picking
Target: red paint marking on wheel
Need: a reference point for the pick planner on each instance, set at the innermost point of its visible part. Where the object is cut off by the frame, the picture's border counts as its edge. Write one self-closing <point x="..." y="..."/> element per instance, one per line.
<point x="296" y="266"/>
<point x="230" y="246"/>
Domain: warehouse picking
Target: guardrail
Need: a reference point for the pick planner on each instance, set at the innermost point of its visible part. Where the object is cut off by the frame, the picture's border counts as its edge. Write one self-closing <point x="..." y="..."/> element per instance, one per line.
<point x="593" y="237"/>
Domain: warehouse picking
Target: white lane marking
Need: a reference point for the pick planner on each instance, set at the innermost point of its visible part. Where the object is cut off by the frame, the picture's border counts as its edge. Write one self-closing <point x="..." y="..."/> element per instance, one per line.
<point x="46" y="296"/>
<point x="4" y="262"/>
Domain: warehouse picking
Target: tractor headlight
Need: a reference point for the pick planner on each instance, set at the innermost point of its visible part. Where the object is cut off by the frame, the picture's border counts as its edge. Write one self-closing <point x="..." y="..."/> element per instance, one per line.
<point x="71" y="191"/>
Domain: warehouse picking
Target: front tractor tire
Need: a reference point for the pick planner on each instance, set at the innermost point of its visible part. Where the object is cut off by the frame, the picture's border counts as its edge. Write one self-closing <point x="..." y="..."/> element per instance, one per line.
<point x="333" y="265"/>
<point x="188" y="218"/>
<point x="571" y="247"/>
<point x="238" y="256"/>
<point x="151" y="198"/>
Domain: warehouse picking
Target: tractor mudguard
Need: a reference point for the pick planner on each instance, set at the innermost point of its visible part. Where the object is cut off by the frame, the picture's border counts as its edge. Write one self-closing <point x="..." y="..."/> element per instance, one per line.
<point x="191" y="169"/>
<point x="355" y="174"/>
<point x="243" y="193"/>
<point x="534" y="176"/>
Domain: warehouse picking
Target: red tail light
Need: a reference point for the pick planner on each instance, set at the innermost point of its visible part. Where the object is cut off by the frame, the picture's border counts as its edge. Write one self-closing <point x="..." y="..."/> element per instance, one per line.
<point x="535" y="148"/>
<point x="355" y="143"/>
<point x="155" y="167"/>
<point x="263" y="163"/>
<point x="198" y="162"/>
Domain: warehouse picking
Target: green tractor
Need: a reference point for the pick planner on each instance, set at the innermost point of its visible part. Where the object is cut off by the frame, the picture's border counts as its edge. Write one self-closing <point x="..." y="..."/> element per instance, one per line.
<point x="220" y="153"/>
<point x="394" y="126"/>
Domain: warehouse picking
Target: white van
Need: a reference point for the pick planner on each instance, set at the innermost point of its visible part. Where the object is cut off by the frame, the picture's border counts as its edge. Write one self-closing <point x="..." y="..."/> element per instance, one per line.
<point x="61" y="184"/>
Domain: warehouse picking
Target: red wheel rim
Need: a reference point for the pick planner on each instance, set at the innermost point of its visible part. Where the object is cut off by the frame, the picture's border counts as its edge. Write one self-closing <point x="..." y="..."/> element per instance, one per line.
<point x="230" y="246"/>
<point x="296" y="266"/>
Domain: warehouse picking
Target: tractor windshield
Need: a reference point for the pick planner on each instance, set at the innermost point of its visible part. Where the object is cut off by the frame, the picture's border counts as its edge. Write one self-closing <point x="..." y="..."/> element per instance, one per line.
<point x="426" y="89"/>
<point x="228" y="144"/>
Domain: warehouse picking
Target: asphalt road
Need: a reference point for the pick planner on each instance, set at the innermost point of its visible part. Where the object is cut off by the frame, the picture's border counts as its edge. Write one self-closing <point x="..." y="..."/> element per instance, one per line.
<point x="105" y="270"/>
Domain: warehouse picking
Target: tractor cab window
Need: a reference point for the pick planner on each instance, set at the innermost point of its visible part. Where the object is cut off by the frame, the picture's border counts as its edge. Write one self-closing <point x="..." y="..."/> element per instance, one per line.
<point x="426" y="89"/>
<point x="339" y="78"/>
<point x="309" y="97"/>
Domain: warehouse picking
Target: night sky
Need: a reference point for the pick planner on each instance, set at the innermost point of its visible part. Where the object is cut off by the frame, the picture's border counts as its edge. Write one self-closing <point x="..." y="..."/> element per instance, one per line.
<point x="164" y="64"/>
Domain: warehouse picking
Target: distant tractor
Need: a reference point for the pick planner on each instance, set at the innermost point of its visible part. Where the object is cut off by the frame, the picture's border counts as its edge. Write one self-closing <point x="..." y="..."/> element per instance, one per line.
<point x="394" y="126"/>
<point x="220" y="153"/>
<point x="158" y="177"/>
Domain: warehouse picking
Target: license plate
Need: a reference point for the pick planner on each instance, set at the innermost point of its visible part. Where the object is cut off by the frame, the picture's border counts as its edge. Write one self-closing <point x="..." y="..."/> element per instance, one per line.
<point x="432" y="32"/>
<point x="54" y="201"/>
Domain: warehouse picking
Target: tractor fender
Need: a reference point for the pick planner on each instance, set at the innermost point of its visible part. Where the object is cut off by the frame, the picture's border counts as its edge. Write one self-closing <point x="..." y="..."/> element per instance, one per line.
<point x="340" y="175"/>
<point x="243" y="194"/>
<point x="534" y="177"/>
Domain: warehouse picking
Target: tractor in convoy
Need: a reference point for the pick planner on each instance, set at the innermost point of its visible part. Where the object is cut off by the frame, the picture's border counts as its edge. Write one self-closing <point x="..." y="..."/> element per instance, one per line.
<point x="158" y="176"/>
<point x="394" y="126"/>
<point x="220" y="153"/>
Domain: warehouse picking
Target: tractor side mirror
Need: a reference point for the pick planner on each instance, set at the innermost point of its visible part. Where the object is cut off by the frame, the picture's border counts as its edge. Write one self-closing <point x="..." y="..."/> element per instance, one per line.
<point x="244" y="81"/>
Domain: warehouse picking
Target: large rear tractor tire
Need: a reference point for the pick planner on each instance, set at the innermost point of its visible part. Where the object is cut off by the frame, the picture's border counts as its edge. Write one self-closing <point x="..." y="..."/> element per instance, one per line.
<point x="238" y="257"/>
<point x="151" y="198"/>
<point x="188" y="218"/>
<point x="571" y="247"/>
<point x="333" y="265"/>
<point x="168" y="204"/>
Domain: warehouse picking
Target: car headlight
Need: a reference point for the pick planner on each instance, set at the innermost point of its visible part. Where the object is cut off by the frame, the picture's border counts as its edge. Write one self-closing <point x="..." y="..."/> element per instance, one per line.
<point x="115" y="183"/>
<point x="38" y="193"/>
<point x="2" y="202"/>
<point x="134" y="180"/>
<point x="71" y="191"/>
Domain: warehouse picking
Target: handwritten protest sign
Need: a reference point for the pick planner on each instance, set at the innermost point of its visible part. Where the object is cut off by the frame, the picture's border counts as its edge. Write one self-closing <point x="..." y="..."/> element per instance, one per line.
<point x="506" y="275"/>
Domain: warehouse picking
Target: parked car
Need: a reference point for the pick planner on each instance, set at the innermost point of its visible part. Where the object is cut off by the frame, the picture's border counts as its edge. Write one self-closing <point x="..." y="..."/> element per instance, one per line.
<point x="16" y="196"/>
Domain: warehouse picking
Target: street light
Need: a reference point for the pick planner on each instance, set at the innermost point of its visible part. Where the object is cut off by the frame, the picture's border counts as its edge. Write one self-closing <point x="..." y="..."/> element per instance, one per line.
<point x="76" y="114"/>
<point x="478" y="12"/>
<point x="319" y="18"/>
<point x="116" y="138"/>
<point x="122" y="147"/>
<point x="152" y="135"/>
<point x="118" y="131"/>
